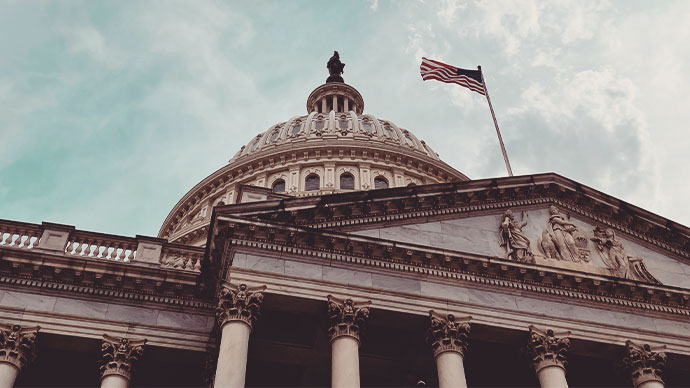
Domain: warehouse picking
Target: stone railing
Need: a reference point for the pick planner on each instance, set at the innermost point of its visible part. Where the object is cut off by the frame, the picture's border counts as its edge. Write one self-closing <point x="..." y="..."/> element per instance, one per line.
<point x="68" y="241"/>
<point x="19" y="234"/>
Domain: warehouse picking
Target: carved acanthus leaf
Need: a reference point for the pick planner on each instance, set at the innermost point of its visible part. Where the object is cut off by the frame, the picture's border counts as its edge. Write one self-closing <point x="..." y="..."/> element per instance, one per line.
<point x="547" y="348"/>
<point x="347" y="318"/>
<point x="18" y="344"/>
<point x="119" y="356"/>
<point x="447" y="333"/>
<point x="239" y="303"/>
<point x="645" y="363"/>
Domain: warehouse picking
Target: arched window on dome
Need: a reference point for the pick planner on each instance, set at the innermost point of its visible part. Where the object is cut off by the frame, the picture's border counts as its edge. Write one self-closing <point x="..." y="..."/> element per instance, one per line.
<point x="380" y="182"/>
<point x="368" y="126"/>
<point x="312" y="182"/>
<point x="273" y="136"/>
<point x="296" y="128"/>
<point x="347" y="181"/>
<point x="279" y="186"/>
<point x="411" y="184"/>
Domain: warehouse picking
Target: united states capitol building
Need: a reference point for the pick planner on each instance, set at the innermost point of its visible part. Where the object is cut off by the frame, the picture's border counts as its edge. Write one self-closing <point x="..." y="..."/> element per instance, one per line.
<point x="337" y="249"/>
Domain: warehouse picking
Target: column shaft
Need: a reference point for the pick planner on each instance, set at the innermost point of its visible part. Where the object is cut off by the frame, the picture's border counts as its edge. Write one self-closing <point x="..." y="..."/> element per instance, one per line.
<point x="114" y="381"/>
<point x="8" y="373"/>
<point x="552" y="377"/>
<point x="345" y="362"/>
<point x="451" y="371"/>
<point x="232" y="355"/>
<point x="651" y="384"/>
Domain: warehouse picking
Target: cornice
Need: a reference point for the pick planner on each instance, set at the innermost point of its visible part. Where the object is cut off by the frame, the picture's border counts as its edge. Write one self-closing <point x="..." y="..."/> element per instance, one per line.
<point x="405" y="205"/>
<point x="45" y="272"/>
<point x="439" y="263"/>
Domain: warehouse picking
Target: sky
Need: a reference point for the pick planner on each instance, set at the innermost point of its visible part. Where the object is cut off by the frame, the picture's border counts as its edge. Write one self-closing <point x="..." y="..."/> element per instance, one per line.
<point x="111" y="111"/>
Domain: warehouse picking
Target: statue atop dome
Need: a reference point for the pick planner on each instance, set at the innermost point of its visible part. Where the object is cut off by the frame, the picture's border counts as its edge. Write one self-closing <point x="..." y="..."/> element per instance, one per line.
<point x="335" y="68"/>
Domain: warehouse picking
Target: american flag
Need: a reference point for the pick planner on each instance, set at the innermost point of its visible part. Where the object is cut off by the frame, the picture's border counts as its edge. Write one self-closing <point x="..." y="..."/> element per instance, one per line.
<point x="471" y="79"/>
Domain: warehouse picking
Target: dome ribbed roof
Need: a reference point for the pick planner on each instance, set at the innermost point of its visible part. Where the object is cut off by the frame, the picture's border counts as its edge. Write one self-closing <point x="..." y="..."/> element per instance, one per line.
<point x="350" y="126"/>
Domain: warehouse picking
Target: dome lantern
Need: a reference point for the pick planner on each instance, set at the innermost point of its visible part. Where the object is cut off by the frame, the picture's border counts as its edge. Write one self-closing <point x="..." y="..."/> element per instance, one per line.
<point x="335" y="95"/>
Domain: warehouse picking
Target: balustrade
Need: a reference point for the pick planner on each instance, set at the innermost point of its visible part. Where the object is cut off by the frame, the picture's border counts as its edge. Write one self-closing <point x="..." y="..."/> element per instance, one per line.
<point x="101" y="246"/>
<point x="19" y="234"/>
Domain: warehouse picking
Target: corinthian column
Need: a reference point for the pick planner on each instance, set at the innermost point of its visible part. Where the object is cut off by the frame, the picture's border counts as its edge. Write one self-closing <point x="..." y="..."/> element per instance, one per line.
<point x="237" y="310"/>
<point x="17" y="349"/>
<point x="448" y="339"/>
<point x="118" y="358"/>
<point x="646" y="365"/>
<point x="347" y="320"/>
<point x="549" y="353"/>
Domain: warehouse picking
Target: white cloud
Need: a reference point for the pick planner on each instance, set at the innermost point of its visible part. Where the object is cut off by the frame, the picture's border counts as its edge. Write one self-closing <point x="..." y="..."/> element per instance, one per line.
<point x="89" y="41"/>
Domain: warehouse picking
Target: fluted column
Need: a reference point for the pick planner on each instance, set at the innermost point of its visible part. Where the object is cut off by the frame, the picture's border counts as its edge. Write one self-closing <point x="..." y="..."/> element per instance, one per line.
<point x="237" y="310"/>
<point x="17" y="349"/>
<point x="645" y="364"/>
<point x="118" y="359"/>
<point x="448" y="339"/>
<point x="549" y="352"/>
<point x="347" y="320"/>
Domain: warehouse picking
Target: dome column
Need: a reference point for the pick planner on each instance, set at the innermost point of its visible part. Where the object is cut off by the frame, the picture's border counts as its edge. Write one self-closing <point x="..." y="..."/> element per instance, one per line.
<point x="237" y="311"/>
<point x="549" y="352"/>
<point x="347" y="320"/>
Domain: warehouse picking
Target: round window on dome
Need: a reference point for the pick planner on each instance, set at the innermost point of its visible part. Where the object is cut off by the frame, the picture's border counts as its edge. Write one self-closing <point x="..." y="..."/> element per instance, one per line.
<point x="312" y="182"/>
<point x="380" y="182"/>
<point x="279" y="186"/>
<point x="347" y="181"/>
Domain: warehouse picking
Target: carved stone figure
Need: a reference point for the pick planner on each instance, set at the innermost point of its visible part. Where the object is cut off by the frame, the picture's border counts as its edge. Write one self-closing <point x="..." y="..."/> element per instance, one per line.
<point x="447" y="334"/>
<point x="512" y="238"/>
<point x="346" y="317"/>
<point x="613" y="255"/>
<point x="645" y="363"/>
<point x="562" y="240"/>
<point x="119" y="356"/>
<point x="239" y="303"/>
<point x="335" y="68"/>
<point x="547" y="348"/>
<point x="18" y="344"/>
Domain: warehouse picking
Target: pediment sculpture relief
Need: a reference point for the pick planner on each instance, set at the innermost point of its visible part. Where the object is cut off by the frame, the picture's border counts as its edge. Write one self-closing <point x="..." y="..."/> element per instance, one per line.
<point x="562" y="240"/>
<point x="613" y="255"/>
<point x="513" y="239"/>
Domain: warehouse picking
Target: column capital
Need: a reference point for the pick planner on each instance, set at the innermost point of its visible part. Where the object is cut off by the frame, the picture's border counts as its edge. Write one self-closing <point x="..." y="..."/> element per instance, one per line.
<point x="548" y="348"/>
<point x="239" y="303"/>
<point x="447" y="333"/>
<point x="119" y="356"/>
<point x="645" y="362"/>
<point x="18" y="344"/>
<point x="347" y="317"/>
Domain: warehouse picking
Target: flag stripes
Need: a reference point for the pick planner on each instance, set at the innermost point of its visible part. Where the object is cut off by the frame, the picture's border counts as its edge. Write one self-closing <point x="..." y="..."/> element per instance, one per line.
<point x="439" y="71"/>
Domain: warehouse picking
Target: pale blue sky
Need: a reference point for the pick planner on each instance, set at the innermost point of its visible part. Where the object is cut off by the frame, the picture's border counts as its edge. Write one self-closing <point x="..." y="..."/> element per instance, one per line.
<point x="111" y="111"/>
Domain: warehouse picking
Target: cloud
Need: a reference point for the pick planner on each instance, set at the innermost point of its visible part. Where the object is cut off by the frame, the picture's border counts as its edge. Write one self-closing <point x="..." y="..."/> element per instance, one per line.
<point x="89" y="41"/>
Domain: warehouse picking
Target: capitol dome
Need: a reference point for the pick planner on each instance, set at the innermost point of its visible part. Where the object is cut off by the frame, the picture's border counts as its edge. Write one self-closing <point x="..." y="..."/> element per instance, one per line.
<point x="335" y="147"/>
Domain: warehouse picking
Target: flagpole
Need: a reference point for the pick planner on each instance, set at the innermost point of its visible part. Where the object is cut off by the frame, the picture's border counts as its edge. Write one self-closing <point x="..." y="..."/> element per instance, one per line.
<point x="498" y="131"/>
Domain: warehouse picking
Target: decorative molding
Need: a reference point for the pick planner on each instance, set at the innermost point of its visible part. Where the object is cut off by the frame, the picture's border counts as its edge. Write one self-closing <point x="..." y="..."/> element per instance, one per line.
<point x="555" y="288"/>
<point x="547" y="348"/>
<point x="239" y="304"/>
<point x="448" y="334"/>
<point x="119" y="356"/>
<point x="645" y="363"/>
<point x="18" y="344"/>
<point x="347" y="317"/>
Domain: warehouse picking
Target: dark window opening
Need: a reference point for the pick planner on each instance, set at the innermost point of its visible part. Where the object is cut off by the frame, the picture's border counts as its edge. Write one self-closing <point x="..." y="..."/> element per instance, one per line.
<point x="313" y="182"/>
<point x="380" y="183"/>
<point x="279" y="186"/>
<point x="347" y="181"/>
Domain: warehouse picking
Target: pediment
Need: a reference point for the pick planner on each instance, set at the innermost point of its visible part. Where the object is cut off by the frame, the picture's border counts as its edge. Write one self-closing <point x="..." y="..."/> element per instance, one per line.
<point x="556" y="238"/>
<point x="609" y="237"/>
